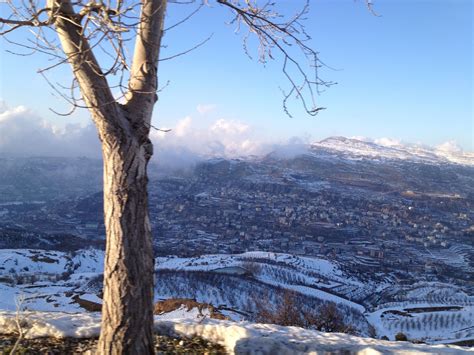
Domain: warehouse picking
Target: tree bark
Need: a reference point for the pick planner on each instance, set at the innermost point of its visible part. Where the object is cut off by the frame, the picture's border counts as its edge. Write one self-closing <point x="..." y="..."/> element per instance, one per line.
<point x="127" y="311"/>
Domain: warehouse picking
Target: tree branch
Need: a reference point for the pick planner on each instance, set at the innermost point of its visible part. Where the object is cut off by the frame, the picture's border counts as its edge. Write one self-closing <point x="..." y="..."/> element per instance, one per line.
<point x="288" y="36"/>
<point x="141" y="95"/>
<point x="93" y="84"/>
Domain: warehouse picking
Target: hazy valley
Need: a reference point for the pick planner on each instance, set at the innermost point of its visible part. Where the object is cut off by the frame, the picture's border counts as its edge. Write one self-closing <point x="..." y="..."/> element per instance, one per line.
<point x="386" y="233"/>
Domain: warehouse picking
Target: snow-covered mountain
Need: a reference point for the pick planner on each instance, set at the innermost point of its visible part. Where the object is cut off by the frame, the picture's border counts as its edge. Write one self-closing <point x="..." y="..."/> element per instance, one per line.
<point x="386" y="149"/>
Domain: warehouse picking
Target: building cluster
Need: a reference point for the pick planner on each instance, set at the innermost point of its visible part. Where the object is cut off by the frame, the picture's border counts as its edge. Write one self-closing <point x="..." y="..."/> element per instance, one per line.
<point x="387" y="231"/>
<point x="210" y="212"/>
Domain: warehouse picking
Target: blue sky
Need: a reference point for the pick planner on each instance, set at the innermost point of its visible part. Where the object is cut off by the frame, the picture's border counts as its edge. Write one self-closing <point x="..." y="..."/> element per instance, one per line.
<point x="405" y="75"/>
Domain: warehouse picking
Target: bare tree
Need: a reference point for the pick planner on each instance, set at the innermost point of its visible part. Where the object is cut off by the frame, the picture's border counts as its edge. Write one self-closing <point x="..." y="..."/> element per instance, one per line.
<point x="20" y="321"/>
<point x="94" y="38"/>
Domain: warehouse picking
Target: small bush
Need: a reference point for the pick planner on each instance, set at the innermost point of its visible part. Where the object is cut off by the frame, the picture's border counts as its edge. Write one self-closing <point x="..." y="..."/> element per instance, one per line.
<point x="252" y="267"/>
<point x="401" y="337"/>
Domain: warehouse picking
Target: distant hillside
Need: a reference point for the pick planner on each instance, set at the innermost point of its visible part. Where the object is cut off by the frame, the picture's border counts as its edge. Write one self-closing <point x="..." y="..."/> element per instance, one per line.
<point x="357" y="149"/>
<point x="237" y="286"/>
<point x="45" y="178"/>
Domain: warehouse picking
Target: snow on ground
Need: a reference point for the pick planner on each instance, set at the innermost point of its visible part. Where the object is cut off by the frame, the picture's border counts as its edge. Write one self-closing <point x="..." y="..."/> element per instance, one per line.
<point x="7" y="297"/>
<point x="83" y="277"/>
<point x="50" y="282"/>
<point x="89" y="261"/>
<point x="46" y="280"/>
<point x="237" y="337"/>
<point x="34" y="262"/>
<point x="91" y="298"/>
<point x="357" y="149"/>
<point x="305" y="275"/>
<point x="436" y="292"/>
<point x="325" y="296"/>
<point x="47" y="298"/>
<point x="428" y="322"/>
<point x="311" y="270"/>
<point x="54" y="324"/>
<point x="31" y="261"/>
<point x="77" y="324"/>
<point x="211" y="262"/>
<point x="184" y="313"/>
<point x="251" y="338"/>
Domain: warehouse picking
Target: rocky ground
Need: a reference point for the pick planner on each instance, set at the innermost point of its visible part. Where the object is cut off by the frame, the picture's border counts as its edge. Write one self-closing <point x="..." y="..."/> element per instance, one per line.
<point x="50" y="346"/>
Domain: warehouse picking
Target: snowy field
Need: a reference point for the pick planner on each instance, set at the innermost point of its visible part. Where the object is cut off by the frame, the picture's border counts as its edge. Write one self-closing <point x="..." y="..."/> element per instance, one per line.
<point x="427" y="322"/>
<point x="309" y="276"/>
<point x="431" y="312"/>
<point x="47" y="280"/>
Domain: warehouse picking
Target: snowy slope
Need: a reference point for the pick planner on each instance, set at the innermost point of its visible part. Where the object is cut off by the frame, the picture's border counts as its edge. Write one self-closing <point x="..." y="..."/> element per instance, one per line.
<point x="35" y="262"/>
<point x="385" y="149"/>
<point x="251" y="338"/>
<point x="45" y="277"/>
<point x="427" y="322"/>
<point x="238" y="338"/>
<point x="237" y="283"/>
<point x="309" y="276"/>
<point x="31" y="261"/>
<point x="47" y="280"/>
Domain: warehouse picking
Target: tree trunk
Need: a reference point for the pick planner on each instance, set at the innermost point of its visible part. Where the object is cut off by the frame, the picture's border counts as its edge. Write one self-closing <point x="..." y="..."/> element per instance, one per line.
<point x="127" y="311"/>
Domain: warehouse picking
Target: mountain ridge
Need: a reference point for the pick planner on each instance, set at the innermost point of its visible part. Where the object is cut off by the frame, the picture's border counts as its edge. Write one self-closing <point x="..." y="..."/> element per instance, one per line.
<point x="393" y="150"/>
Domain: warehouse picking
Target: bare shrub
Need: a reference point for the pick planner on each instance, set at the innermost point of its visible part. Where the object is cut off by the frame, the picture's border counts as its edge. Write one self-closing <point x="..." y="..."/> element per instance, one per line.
<point x="252" y="267"/>
<point x="21" y="322"/>
<point x="401" y="337"/>
<point x="330" y="319"/>
<point x="289" y="312"/>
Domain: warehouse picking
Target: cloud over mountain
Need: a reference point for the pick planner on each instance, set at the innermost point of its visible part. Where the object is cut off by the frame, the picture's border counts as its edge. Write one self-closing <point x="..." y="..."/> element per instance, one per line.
<point x="189" y="141"/>
<point x="25" y="133"/>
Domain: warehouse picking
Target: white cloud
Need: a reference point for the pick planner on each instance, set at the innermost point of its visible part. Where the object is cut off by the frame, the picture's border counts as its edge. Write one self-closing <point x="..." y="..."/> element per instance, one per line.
<point x="188" y="142"/>
<point x="383" y="141"/>
<point x="223" y="126"/>
<point x="183" y="127"/>
<point x="291" y="148"/>
<point x="205" y="108"/>
<point x="388" y="142"/>
<point x="449" y="147"/>
<point x="24" y="133"/>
